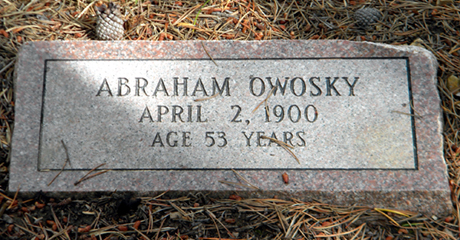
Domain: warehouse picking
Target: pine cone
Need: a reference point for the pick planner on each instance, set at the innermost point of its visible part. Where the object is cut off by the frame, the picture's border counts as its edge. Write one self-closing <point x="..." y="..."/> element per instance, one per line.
<point x="109" y="22"/>
<point x="367" y="16"/>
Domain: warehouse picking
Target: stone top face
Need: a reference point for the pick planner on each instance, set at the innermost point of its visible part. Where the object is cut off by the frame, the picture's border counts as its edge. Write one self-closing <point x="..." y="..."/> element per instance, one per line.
<point x="360" y="117"/>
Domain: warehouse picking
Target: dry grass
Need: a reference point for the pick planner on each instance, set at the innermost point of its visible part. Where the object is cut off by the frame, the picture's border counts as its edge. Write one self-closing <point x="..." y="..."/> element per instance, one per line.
<point x="421" y="23"/>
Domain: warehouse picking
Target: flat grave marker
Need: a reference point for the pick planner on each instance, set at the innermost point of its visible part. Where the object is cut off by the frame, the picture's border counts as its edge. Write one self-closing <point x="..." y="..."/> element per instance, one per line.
<point x="348" y="122"/>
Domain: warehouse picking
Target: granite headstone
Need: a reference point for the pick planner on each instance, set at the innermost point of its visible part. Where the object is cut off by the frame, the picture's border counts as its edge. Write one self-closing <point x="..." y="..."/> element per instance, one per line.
<point x="349" y="122"/>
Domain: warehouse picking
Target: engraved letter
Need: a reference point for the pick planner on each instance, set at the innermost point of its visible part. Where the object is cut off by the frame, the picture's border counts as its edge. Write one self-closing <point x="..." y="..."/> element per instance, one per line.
<point x="168" y="139"/>
<point x="352" y="86"/>
<point x="176" y="86"/>
<point x="157" y="139"/>
<point x="139" y="86"/>
<point x="104" y="88"/>
<point x="123" y="82"/>
<point x="185" y="137"/>
<point x="248" y="139"/>
<point x="225" y="86"/>
<point x="287" y="139"/>
<point x="278" y="85"/>
<point x="146" y="114"/>
<point x="189" y="111"/>
<point x="198" y="114"/>
<point x="161" y="113"/>
<point x="301" y="139"/>
<point x="330" y="86"/>
<point x="262" y="86"/>
<point x="274" y="137"/>
<point x="302" y="84"/>
<point x="259" y="136"/>
<point x="199" y="87"/>
<point x="318" y="93"/>
<point x="160" y="88"/>
<point x="176" y="113"/>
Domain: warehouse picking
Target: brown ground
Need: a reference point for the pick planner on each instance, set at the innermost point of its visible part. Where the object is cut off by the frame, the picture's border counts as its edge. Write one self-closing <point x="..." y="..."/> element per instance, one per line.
<point x="118" y="216"/>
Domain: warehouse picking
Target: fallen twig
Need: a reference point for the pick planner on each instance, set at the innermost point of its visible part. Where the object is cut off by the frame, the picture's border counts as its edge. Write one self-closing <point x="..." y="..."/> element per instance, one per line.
<point x="209" y="55"/>
<point x="67" y="159"/>
<point x="265" y="100"/>
<point x="88" y="177"/>
<point x="206" y="98"/>
<point x="283" y="145"/>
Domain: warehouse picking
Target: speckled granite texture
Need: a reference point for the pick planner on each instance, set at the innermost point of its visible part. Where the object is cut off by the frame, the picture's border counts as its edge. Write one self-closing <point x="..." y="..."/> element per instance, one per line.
<point x="103" y="100"/>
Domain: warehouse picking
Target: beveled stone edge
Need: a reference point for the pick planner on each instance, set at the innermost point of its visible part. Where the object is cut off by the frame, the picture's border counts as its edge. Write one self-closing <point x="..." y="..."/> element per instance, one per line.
<point x="417" y="202"/>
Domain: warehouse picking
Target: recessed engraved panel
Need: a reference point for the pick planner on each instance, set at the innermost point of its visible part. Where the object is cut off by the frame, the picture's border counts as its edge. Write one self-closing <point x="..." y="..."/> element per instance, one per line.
<point x="194" y="114"/>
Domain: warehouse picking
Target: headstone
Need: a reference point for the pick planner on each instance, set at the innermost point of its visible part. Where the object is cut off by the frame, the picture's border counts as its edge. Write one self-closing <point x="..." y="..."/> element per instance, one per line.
<point x="348" y="122"/>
